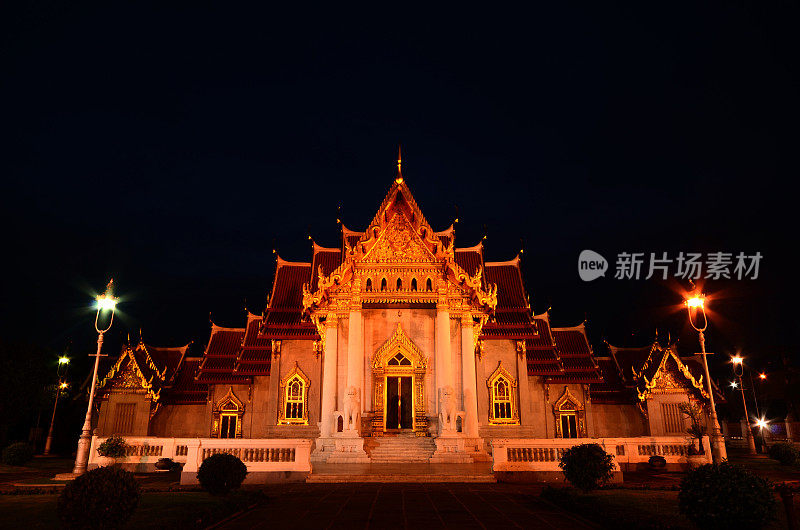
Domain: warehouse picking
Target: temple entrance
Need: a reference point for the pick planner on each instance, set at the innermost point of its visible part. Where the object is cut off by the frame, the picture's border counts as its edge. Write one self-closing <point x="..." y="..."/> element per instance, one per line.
<point x="399" y="403"/>
<point x="398" y="374"/>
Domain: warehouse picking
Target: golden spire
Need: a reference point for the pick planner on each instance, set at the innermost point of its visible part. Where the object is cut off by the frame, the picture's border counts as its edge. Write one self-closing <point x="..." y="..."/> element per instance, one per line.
<point x="399" y="178"/>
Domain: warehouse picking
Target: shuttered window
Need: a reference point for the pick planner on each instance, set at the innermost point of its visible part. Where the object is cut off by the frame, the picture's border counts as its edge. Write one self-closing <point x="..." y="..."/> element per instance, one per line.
<point x="673" y="422"/>
<point x="123" y="418"/>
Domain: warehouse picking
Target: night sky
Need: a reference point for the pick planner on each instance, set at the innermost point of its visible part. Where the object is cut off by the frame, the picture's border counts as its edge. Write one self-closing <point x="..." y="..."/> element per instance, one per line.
<point x="174" y="148"/>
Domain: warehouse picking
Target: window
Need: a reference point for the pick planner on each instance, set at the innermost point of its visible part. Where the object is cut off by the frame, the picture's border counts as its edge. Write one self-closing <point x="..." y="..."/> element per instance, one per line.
<point x="673" y="421"/>
<point x="294" y="398"/>
<point x="413" y="284"/>
<point x="502" y="397"/>
<point x="295" y="401"/>
<point x="228" y="428"/>
<point x="569" y="416"/>
<point x="227" y="416"/>
<point x="429" y="285"/>
<point x="369" y="284"/>
<point x="569" y="426"/>
<point x="123" y="418"/>
<point x="399" y="284"/>
<point x="383" y="284"/>
<point x="399" y="360"/>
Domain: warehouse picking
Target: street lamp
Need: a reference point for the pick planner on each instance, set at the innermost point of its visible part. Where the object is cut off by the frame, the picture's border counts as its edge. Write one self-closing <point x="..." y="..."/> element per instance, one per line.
<point x="63" y="364"/>
<point x="104" y="303"/>
<point x="697" y="303"/>
<point x="761" y="423"/>
<point x="738" y="370"/>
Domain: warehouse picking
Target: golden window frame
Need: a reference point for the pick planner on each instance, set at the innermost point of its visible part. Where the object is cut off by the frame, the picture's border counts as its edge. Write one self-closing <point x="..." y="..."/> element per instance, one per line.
<point x="229" y="405"/>
<point x="502" y="374"/>
<point x="285" y="387"/>
<point x="569" y="405"/>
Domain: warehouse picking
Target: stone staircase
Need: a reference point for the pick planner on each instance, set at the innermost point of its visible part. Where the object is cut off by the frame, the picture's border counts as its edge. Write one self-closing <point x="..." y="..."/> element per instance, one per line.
<point x="400" y="448"/>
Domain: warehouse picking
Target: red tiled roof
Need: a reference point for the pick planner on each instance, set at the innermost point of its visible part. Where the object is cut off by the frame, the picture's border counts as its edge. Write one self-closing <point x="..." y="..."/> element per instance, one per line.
<point x="256" y="354"/>
<point x="612" y="390"/>
<point x="287" y="290"/>
<point x="326" y="258"/>
<point x="186" y="390"/>
<point x="469" y="259"/>
<point x="224" y="342"/>
<point x="510" y="290"/>
<point x="220" y="356"/>
<point x="576" y="355"/>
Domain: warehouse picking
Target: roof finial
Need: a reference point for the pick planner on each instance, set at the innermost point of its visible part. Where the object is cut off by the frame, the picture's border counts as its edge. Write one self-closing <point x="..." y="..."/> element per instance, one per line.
<point x="399" y="178"/>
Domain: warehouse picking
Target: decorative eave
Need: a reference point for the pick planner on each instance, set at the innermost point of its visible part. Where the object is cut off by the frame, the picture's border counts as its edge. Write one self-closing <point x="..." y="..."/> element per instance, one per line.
<point x="650" y="384"/>
<point x="145" y="384"/>
<point x="429" y="251"/>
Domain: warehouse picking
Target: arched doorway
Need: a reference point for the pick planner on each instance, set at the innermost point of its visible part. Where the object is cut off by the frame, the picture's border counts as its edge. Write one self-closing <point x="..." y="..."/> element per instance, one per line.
<point x="398" y="369"/>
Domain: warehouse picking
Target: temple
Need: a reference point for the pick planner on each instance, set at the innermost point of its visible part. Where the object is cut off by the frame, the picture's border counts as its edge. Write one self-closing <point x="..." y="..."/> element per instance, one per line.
<point x="396" y="345"/>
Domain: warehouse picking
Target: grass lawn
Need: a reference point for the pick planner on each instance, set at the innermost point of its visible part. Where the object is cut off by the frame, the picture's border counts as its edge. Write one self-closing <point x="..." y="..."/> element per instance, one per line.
<point x="638" y="509"/>
<point x="172" y="510"/>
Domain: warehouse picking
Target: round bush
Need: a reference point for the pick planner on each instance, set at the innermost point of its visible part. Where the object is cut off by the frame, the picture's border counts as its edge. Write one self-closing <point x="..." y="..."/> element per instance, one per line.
<point x="221" y="473"/>
<point x="17" y="454"/>
<point x="113" y="447"/>
<point x="726" y="496"/>
<point x="783" y="452"/>
<point x="587" y="466"/>
<point x="105" y="498"/>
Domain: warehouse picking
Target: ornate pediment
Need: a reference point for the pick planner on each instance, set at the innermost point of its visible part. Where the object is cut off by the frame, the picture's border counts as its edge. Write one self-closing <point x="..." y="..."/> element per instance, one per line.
<point x="399" y="259"/>
<point x="671" y="375"/>
<point x="129" y="378"/>
<point x="399" y="242"/>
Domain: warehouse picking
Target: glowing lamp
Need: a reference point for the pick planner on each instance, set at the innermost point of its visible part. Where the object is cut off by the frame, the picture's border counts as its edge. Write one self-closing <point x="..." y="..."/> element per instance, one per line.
<point x="734" y="384"/>
<point x="106" y="302"/>
<point x="762" y="376"/>
<point x="737" y="359"/>
<point x="761" y="423"/>
<point x="63" y="385"/>
<point x="696" y="301"/>
<point x="63" y="360"/>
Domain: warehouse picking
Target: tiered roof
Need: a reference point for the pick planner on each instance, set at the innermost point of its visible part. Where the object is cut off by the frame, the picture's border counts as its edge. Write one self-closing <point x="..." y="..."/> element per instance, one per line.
<point x="631" y="374"/>
<point x="153" y="369"/>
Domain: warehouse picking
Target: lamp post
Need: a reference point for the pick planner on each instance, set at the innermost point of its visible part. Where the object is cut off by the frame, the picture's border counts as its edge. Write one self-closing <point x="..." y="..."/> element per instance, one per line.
<point x="104" y="302"/>
<point x="697" y="302"/>
<point x="63" y="364"/>
<point x="738" y="370"/>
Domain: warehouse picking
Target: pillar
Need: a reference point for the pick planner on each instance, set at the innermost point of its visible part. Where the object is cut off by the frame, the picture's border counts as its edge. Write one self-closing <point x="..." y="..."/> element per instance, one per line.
<point x="468" y="377"/>
<point x="329" y="376"/>
<point x="355" y="354"/>
<point x="444" y="359"/>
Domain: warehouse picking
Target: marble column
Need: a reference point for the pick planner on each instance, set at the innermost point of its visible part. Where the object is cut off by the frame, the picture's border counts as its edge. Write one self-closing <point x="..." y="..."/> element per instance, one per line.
<point x="444" y="359"/>
<point x="468" y="377"/>
<point x="355" y="354"/>
<point x="329" y="376"/>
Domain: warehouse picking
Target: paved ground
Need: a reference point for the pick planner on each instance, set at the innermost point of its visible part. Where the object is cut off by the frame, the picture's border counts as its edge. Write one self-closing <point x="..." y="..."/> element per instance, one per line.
<point x="353" y="506"/>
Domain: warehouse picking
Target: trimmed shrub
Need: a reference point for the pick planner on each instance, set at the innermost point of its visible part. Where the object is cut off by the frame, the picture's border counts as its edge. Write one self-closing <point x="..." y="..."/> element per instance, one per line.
<point x="221" y="473"/>
<point x="105" y="498"/>
<point x="165" y="463"/>
<point x="726" y="496"/>
<point x="587" y="466"/>
<point x="113" y="447"/>
<point x="783" y="452"/>
<point x="17" y="454"/>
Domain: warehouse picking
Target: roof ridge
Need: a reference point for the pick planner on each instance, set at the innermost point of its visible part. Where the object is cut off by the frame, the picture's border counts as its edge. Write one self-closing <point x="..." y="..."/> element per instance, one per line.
<point x="512" y="262"/>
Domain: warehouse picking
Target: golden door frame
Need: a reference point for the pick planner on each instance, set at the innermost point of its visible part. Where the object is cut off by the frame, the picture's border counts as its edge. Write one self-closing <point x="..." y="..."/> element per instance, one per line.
<point x="399" y="343"/>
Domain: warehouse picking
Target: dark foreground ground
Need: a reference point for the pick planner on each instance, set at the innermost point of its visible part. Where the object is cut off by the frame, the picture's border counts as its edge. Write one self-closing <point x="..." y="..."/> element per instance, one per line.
<point x="406" y="506"/>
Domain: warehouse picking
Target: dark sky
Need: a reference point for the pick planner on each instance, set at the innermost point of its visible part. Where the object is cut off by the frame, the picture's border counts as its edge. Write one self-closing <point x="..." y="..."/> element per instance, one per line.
<point x="170" y="147"/>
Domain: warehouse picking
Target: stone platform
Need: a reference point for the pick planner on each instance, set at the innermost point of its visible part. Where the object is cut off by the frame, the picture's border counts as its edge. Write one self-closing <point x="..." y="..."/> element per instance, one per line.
<point x="405" y="472"/>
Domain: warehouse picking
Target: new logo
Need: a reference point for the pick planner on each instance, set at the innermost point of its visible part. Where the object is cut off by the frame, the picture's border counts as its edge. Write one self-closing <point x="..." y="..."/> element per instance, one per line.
<point x="591" y="265"/>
